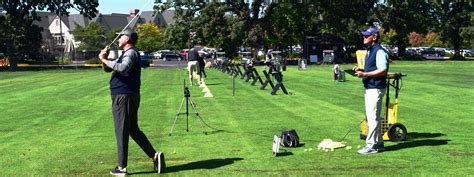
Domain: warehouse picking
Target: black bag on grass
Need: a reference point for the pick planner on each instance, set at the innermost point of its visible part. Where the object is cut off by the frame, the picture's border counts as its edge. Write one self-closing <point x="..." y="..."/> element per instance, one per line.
<point x="289" y="138"/>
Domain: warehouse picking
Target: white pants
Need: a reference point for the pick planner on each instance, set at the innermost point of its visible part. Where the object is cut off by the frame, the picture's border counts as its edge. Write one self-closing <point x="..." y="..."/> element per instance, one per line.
<point x="373" y="106"/>
<point x="191" y="67"/>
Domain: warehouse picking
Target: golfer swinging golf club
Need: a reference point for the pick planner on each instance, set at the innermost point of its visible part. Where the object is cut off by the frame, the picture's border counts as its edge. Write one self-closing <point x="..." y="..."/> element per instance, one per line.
<point x="125" y="92"/>
<point x="374" y="77"/>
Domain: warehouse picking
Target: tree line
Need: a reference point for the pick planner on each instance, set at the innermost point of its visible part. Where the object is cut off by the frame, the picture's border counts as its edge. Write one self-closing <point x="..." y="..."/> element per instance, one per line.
<point x="272" y="24"/>
<point x="229" y="25"/>
<point x="19" y="36"/>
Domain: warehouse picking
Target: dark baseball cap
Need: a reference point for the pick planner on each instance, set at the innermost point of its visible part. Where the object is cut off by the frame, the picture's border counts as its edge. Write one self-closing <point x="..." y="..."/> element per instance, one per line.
<point x="370" y="31"/>
<point x="130" y="33"/>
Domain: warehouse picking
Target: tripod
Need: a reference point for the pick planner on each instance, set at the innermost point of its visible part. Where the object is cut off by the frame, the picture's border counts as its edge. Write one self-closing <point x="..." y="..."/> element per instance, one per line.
<point x="187" y="97"/>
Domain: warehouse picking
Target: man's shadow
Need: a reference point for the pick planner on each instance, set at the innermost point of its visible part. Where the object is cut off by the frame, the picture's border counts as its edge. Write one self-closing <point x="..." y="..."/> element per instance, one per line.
<point x="417" y="135"/>
<point x="203" y="164"/>
<point x="415" y="139"/>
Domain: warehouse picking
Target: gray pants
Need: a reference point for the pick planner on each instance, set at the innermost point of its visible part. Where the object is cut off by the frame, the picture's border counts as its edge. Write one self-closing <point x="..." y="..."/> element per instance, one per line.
<point x="125" y="109"/>
<point x="373" y="107"/>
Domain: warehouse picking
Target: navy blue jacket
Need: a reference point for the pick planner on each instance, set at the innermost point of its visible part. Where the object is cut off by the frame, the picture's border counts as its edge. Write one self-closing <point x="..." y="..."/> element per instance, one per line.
<point x="128" y="82"/>
<point x="371" y="65"/>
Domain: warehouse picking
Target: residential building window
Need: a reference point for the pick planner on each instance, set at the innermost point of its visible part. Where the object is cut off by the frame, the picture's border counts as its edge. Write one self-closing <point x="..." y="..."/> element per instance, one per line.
<point x="57" y="40"/>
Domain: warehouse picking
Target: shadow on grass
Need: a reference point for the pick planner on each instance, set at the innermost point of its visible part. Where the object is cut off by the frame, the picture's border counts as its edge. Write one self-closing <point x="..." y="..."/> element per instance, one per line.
<point x="417" y="135"/>
<point x="301" y="145"/>
<point x="281" y="154"/>
<point x="215" y="84"/>
<point x="215" y="131"/>
<point x="206" y="133"/>
<point x="416" y="139"/>
<point x="203" y="164"/>
<point x="142" y="172"/>
<point x="416" y="143"/>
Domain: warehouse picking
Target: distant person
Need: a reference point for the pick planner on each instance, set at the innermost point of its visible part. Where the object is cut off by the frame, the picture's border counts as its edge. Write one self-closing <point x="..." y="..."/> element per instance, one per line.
<point x="374" y="78"/>
<point x="268" y="57"/>
<point x="192" y="63"/>
<point x="125" y="92"/>
<point x="336" y="71"/>
<point x="201" y="64"/>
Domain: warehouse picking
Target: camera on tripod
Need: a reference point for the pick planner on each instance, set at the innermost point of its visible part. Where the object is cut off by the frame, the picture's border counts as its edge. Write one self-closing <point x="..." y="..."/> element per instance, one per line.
<point x="186" y="92"/>
<point x="186" y="101"/>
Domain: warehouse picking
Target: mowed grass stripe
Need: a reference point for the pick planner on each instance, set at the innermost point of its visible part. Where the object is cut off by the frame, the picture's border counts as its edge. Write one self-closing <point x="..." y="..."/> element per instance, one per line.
<point x="44" y="113"/>
<point x="435" y="106"/>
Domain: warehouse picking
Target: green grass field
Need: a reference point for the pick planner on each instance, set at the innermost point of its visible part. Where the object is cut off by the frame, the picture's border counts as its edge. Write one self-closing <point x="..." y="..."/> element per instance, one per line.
<point x="60" y="123"/>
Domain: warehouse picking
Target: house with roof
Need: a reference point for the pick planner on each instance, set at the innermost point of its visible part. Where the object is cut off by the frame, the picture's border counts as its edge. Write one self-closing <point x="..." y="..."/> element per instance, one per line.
<point x="65" y="25"/>
<point x="44" y="21"/>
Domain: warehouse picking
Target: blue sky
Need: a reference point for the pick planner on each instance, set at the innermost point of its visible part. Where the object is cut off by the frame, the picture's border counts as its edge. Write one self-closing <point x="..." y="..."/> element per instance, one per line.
<point x="121" y="6"/>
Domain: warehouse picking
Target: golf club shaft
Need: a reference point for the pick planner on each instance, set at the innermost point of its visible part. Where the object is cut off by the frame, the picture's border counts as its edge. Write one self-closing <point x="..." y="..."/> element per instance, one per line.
<point x="128" y="24"/>
<point x="351" y="130"/>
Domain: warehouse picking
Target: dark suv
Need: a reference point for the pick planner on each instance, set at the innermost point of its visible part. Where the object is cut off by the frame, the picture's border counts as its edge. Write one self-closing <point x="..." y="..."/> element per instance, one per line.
<point x="172" y="55"/>
<point x="144" y="59"/>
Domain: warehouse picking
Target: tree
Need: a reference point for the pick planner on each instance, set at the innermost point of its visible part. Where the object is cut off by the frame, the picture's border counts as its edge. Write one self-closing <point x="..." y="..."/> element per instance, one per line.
<point x="149" y="37"/>
<point x="467" y="33"/>
<point x="285" y="27"/>
<point x="18" y="38"/>
<point x="19" y="35"/>
<point x="432" y="39"/>
<point x="346" y="19"/>
<point x="415" y="39"/>
<point x="214" y="24"/>
<point x="219" y="29"/>
<point x="253" y="23"/>
<point x="91" y="37"/>
<point x="177" y="36"/>
<point x="454" y="16"/>
<point x="232" y="24"/>
<point x="404" y="17"/>
<point x="388" y="36"/>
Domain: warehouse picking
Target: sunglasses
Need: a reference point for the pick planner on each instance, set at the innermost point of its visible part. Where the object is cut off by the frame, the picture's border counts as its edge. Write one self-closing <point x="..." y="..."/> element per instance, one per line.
<point x="367" y="36"/>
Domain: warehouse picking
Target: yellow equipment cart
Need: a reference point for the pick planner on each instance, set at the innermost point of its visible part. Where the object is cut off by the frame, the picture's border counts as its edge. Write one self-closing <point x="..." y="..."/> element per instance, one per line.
<point x="391" y="129"/>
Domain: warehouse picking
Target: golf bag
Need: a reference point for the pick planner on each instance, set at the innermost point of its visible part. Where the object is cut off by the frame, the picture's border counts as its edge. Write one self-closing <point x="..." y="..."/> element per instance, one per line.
<point x="289" y="138"/>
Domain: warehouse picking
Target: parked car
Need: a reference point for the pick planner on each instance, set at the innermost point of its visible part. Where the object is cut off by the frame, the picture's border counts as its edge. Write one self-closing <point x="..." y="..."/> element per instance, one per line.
<point x="157" y="54"/>
<point x="167" y="56"/>
<point x="441" y="52"/>
<point x="429" y="52"/>
<point x="144" y="59"/>
<point x="469" y="53"/>
<point x="184" y="53"/>
<point x="410" y="51"/>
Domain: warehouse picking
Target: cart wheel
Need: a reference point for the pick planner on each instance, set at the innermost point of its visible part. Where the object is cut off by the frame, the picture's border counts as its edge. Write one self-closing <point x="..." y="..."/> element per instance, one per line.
<point x="397" y="132"/>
